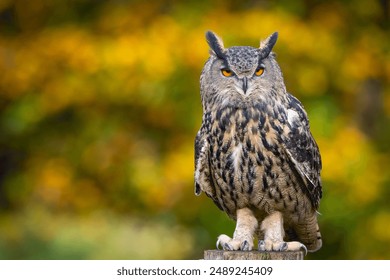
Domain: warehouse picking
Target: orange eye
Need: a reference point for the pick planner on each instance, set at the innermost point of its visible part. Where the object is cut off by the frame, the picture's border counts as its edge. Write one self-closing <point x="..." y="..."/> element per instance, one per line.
<point x="259" y="71"/>
<point x="227" y="72"/>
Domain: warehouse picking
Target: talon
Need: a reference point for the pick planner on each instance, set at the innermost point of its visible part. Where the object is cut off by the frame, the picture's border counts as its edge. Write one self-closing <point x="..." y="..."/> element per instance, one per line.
<point x="222" y="241"/>
<point x="283" y="247"/>
<point x="245" y="246"/>
<point x="261" y="246"/>
<point x="217" y="245"/>
<point x="304" y="248"/>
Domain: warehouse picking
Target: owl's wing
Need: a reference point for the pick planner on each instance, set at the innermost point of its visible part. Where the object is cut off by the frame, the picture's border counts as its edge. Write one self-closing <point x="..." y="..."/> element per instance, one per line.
<point x="199" y="161"/>
<point x="204" y="180"/>
<point x="303" y="151"/>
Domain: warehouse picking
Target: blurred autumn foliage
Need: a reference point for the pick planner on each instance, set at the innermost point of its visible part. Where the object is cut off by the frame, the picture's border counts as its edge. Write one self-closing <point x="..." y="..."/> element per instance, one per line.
<point x="99" y="106"/>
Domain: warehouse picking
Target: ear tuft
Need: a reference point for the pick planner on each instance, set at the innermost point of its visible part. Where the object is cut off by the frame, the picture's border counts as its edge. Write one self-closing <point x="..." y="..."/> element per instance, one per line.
<point x="216" y="44"/>
<point x="267" y="45"/>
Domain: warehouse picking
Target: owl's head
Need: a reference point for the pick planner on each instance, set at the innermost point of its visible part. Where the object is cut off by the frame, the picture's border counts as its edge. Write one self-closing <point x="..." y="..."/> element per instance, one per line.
<point x="237" y="75"/>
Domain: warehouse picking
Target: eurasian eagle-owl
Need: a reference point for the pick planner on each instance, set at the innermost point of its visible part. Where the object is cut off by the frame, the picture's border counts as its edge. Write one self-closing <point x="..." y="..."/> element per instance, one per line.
<point x="255" y="156"/>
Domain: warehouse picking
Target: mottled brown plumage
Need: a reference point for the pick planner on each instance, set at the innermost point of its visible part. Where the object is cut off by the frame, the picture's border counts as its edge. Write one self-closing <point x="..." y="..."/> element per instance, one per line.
<point x="255" y="156"/>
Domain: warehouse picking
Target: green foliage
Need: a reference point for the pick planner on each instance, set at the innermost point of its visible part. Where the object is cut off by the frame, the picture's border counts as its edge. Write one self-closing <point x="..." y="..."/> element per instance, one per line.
<point x="100" y="105"/>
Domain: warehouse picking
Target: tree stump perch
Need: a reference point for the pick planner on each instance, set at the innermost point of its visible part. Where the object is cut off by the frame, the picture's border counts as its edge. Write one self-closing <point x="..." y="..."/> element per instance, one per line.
<point x="251" y="255"/>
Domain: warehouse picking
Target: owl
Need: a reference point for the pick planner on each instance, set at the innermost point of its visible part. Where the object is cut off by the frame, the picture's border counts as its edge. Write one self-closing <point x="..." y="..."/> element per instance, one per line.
<point x="255" y="156"/>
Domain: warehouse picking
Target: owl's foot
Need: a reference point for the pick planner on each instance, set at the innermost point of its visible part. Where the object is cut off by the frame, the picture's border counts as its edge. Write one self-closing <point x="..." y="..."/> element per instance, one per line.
<point x="268" y="245"/>
<point x="243" y="234"/>
<point x="272" y="227"/>
<point x="230" y="244"/>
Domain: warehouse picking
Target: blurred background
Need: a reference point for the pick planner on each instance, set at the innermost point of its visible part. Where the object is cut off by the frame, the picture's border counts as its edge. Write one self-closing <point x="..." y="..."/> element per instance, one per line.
<point x="99" y="107"/>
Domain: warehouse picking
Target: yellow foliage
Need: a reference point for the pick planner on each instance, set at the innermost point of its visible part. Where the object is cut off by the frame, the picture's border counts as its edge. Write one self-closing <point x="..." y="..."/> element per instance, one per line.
<point x="387" y="101"/>
<point x="118" y="237"/>
<point x="177" y="173"/>
<point x="379" y="226"/>
<point x="146" y="177"/>
<point x="312" y="79"/>
<point x="54" y="179"/>
<point x="360" y="64"/>
<point x="349" y="160"/>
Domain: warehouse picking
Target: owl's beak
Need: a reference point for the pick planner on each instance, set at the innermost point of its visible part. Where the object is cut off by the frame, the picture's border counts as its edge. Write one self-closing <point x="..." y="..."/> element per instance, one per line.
<point x="244" y="84"/>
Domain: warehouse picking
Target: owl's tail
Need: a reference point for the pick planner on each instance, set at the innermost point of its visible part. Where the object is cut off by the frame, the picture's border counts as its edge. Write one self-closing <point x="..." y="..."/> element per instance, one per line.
<point x="308" y="233"/>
